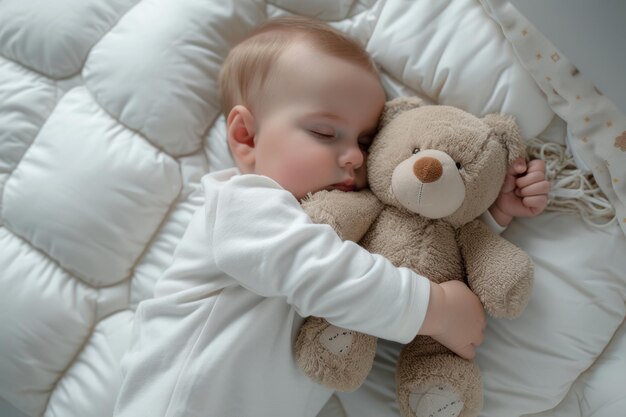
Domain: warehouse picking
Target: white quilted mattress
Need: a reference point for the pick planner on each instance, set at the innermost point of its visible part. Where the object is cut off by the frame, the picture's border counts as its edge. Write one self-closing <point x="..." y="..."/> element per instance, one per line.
<point x="109" y="116"/>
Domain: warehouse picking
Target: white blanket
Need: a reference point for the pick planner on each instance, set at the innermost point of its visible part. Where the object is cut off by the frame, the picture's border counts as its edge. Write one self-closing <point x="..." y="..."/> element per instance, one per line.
<point x="109" y="116"/>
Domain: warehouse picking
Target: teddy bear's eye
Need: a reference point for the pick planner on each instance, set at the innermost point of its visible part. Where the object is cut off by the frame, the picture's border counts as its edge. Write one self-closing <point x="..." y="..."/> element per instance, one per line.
<point x="416" y="150"/>
<point x="458" y="165"/>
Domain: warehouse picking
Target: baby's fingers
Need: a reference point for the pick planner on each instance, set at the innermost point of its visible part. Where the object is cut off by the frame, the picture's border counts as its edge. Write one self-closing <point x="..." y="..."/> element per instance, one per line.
<point x="536" y="189"/>
<point x="536" y="203"/>
<point x="530" y="178"/>
<point x="536" y="165"/>
<point x="517" y="167"/>
<point x="466" y="352"/>
<point x="509" y="184"/>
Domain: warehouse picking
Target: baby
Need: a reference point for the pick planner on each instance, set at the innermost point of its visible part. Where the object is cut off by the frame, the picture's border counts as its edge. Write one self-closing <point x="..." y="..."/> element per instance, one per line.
<point x="302" y="104"/>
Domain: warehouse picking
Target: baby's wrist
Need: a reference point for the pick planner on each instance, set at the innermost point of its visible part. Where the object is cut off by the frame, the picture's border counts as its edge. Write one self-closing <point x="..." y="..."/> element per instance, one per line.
<point x="435" y="315"/>
<point x="499" y="216"/>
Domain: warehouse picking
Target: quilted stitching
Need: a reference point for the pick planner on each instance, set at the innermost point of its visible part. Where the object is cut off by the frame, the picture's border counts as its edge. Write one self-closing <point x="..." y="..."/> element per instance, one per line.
<point x="98" y="183"/>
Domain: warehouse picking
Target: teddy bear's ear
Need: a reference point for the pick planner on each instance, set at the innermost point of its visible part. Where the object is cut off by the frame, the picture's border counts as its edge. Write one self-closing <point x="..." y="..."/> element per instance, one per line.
<point x="507" y="131"/>
<point x="397" y="106"/>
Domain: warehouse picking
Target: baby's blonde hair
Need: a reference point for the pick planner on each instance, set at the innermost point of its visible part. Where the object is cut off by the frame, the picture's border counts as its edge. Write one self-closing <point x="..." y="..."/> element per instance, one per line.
<point x="249" y="63"/>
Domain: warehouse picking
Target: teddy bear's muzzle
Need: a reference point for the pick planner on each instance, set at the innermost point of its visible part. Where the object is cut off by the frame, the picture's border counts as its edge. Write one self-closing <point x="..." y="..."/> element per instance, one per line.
<point x="429" y="183"/>
<point x="427" y="169"/>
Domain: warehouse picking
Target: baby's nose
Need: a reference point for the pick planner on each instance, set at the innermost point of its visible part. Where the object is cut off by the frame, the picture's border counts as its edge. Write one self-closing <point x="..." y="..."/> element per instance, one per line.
<point x="427" y="169"/>
<point x="354" y="156"/>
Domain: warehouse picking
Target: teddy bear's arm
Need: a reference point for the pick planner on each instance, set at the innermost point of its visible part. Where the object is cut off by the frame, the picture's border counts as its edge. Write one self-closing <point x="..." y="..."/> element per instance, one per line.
<point x="350" y="213"/>
<point x="500" y="273"/>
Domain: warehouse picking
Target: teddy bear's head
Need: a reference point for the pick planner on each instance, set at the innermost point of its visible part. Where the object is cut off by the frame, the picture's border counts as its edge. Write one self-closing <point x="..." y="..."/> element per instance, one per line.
<point x="440" y="161"/>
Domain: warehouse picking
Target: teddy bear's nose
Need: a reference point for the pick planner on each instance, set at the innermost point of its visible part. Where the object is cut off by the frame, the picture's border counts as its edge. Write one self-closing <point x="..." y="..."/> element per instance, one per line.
<point x="427" y="169"/>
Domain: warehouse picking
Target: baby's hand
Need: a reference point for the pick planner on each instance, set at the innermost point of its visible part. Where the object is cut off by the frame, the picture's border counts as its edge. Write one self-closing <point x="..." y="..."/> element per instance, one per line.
<point x="455" y="318"/>
<point x="524" y="192"/>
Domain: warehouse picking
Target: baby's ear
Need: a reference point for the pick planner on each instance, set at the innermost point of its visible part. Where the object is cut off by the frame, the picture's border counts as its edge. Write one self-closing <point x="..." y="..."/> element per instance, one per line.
<point x="240" y="131"/>
<point x="505" y="128"/>
<point x="393" y="108"/>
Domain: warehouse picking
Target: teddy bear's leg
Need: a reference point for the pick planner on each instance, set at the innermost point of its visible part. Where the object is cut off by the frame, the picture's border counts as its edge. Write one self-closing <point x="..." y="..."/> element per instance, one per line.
<point x="332" y="356"/>
<point x="434" y="382"/>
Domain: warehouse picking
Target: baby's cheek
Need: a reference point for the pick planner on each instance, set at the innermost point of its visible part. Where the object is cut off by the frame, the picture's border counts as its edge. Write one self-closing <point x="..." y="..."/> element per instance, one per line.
<point x="306" y="166"/>
<point x="301" y="172"/>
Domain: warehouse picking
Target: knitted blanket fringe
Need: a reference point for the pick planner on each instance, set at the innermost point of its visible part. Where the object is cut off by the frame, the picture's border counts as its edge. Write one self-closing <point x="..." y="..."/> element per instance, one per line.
<point x="572" y="190"/>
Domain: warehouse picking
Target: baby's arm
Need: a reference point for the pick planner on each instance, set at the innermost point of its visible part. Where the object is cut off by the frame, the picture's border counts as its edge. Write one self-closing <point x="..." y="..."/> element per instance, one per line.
<point x="264" y="240"/>
<point x="455" y="318"/>
<point x="524" y="192"/>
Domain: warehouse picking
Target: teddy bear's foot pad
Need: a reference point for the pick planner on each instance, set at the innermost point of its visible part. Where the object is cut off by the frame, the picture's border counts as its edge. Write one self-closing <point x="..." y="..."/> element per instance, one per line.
<point x="337" y="340"/>
<point x="332" y="356"/>
<point x="435" y="401"/>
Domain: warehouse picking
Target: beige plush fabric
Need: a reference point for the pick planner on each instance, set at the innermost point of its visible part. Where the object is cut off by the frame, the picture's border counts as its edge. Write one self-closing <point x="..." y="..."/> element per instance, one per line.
<point x="475" y="152"/>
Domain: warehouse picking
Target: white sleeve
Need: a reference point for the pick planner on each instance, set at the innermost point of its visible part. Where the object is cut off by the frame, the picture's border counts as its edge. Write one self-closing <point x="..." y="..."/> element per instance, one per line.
<point x="488" y="219"/>
<point x="264" y="240"/>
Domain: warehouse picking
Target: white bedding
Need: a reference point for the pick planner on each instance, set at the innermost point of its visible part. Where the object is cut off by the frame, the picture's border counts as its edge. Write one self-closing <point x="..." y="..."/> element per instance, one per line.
<point x="109" y="116"/>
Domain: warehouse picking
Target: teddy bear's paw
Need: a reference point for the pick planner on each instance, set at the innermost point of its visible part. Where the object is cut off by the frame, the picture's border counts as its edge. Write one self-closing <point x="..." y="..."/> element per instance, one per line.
<point x="334" y="357"/>
<point x="435" y="401"/>
<point x="509" y="299"/>
<point x="517" y="298"/>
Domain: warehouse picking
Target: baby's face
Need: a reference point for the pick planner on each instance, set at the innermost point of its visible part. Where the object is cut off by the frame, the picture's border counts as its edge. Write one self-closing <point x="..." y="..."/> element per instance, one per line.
<point x="316" y="121"/>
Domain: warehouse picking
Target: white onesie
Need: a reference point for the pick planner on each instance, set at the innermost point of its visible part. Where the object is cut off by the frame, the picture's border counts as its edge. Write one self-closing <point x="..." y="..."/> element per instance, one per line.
<point x="217" y="339"/>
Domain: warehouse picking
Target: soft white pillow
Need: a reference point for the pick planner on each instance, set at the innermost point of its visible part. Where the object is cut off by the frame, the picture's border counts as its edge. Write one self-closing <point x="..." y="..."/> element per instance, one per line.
<point x="530" y="363"/>
<point x="600" y="390"/>
<point x="455" y="54"/>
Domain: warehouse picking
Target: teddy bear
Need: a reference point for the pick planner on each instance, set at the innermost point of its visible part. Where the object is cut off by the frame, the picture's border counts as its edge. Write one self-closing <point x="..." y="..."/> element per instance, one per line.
<point x="433" y="170"/>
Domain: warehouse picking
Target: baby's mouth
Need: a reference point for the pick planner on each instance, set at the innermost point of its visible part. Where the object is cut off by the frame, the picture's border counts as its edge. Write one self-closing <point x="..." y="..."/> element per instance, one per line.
<point x="344" y="186"/>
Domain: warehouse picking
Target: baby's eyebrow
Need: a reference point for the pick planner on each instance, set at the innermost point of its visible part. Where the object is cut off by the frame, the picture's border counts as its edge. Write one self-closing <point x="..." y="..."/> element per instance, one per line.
<point x="370" y="131"/>
<point x="325" y="114"/>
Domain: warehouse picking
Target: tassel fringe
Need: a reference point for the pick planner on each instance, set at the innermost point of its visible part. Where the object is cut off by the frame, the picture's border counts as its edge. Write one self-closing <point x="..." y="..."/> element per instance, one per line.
<point x="572" y="190"/>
